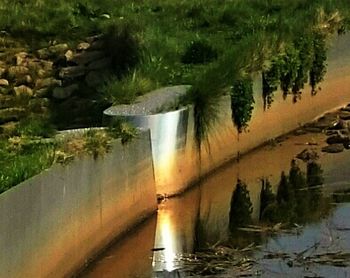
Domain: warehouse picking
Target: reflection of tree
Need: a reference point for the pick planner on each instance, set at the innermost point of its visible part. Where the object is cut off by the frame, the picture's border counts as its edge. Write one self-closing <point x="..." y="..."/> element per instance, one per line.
<point x="241" y="207"/>
<point x="299" y="197"/>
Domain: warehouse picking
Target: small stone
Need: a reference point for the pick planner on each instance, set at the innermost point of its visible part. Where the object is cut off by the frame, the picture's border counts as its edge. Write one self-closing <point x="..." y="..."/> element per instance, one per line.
<point x="11" y="114"/>
<point x="313" y="129"/>
<point x="83" y="46"/>
<point x="2" y="71"/>
<point x="24" y="80"/>
<point x="46" y="65"/>
<point x="332" y="132"/>
<point x="336" y="148"/>
<point x="299" y="132"/>
<point x="64" y="92"/>
<point x="340" y="124"/>
<point x="23" y="91"/>
<point x="4" y="83"/>
<point x="6" y="101"/>
<point x="43" y="53"/>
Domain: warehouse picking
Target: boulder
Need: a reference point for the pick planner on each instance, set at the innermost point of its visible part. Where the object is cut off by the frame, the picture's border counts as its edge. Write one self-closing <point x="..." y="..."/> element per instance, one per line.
<point x="336" y="148"/>
<point x="72" y="72"/>
<point x="4" y="83"/>
<point x="87" y="57"/>
<point x="47" y="82"/>
<point x="23" y="91"/>
<point x="65" y="92"/>
<point x="100" y="64"/>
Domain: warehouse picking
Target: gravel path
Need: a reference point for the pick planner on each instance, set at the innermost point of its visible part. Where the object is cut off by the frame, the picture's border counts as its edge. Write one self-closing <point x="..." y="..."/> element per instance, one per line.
<point x="150" y="103"/>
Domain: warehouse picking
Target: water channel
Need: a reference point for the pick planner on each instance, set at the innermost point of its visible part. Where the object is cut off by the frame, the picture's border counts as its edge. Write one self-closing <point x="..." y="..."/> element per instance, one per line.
<point x="201" y="218"/>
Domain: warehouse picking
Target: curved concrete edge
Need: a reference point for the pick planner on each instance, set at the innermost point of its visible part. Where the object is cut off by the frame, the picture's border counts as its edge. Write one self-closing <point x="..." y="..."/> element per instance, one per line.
<point x="51" y="223"/>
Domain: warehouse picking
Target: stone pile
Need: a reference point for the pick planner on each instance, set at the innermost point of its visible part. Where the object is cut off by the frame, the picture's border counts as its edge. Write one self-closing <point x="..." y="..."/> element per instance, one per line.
<point x="30" y="81"/>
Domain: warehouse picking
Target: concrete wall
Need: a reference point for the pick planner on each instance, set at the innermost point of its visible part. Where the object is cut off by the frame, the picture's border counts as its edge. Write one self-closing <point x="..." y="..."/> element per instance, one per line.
<point x="51" y="223"/>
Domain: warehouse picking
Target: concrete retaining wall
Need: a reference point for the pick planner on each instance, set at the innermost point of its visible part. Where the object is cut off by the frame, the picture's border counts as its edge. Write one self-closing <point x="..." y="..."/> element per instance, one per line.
<point x="176" y="159"/>
<point x="51" y="223"/>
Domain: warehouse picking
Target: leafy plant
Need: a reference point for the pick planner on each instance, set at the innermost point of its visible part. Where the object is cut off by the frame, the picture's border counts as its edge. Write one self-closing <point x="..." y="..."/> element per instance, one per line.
<point x="242" y="102"/>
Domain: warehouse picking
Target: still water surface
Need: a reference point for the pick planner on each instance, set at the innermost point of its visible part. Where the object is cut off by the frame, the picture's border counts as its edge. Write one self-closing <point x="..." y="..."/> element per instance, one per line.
<point x="200" y="218"/>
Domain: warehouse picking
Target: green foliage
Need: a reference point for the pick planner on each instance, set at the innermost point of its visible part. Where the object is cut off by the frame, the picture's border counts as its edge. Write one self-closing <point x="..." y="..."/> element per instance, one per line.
<point x="21" y="159"/>
<point x="318" y="69"/>
<point x="119" y="128"/>
<point x="126" y="89"/>
<point x="199" y="52"/>
<point x="97" y="143"/>
<point x="241" y="207"/>
<point x="242" y="103"/>
<point x="35" y="126"/>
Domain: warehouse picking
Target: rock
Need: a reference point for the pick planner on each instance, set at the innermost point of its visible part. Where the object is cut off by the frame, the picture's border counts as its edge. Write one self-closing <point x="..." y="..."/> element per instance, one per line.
<point x="83" y="46"/>
<point x="344" y="115"/>
<point x="308" y="155"/>
<point x="46" y="65"/>
<point x="64" y="92"/>
<point x="11" y="114"/>
<point x="346" y="109"/>
<point x="313" y="129"/>
<point x="58" y="48"/>
<point x="299" y="132"/>
<point x="47" y="82"/>
<point x="336" y="148"/>
<point x="340" y="124"/>
<point x="97" y="45"/>
<point x="87" y="57"/>
<point x="16" y="71"/>
<point x="93" y="79"/>
<point x="43" y="92"/>
<point x="39" y="105"/>
<point x="100" y="64"/>
<point x="2" y="71"/>
<point x="337" y="139"/>
<point x="23" y="91"/>
<point x="69" y="55"/>
<point x="21" y="58"/>
<point x="72" y="72"/>
<point x="24" y="80"/>
<point x="4" y="83"/>
<point x="332" y="132"/>
<point x="43" y="53"/>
